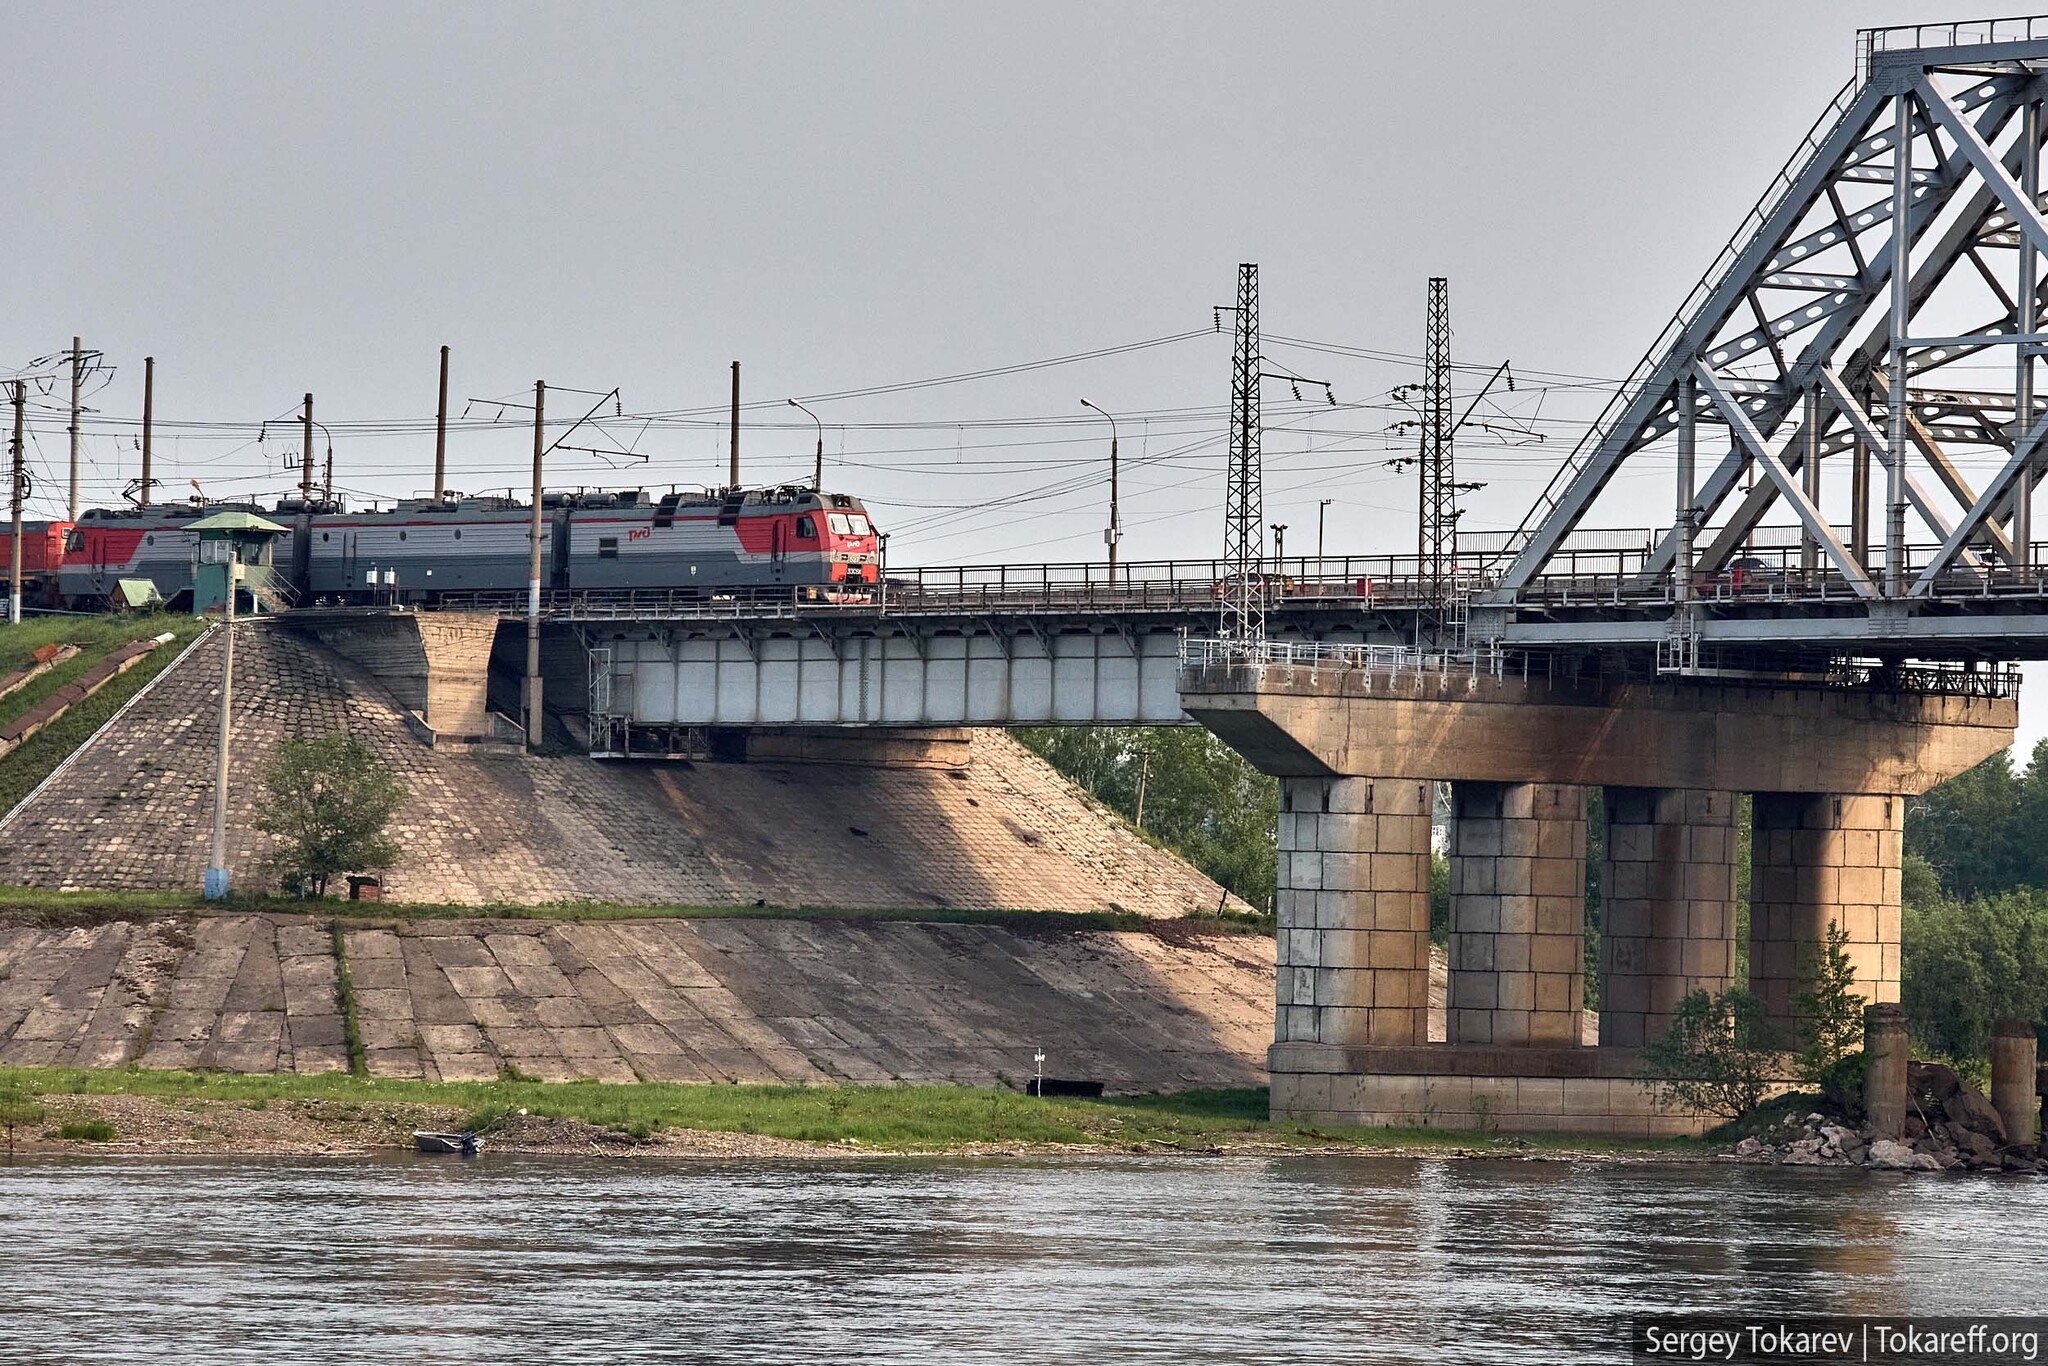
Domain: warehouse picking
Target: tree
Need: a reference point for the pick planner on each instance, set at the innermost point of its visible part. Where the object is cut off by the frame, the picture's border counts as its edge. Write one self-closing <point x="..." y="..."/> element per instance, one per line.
<point x="17" y="1109"/>
<point x="1719" y="1057"/>
<point x="1202" y="800"/>
<point x="1830" y="1007"/>
<point x="1967" y="827"/>
<point x="1966" y="963"/>
<point x="329" y="801"/>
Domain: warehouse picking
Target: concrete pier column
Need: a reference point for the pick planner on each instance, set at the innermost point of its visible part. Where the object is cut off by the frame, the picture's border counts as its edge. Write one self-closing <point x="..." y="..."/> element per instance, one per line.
<point x="1816" y="859"/>
<point x="1884" y="1073"/>
<point x="1667" y="906"/>
<point x="1518" y="911"/>
<point x="1353" y="911"/>
<point x="2012" y="1077"/>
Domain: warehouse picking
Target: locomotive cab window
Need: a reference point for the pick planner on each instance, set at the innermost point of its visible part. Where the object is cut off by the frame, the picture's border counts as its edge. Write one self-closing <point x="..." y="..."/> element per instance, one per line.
<point x="74" y="541"/>
<point x="607" y="547"/>
<point x="860" y="524"/>
<point x="839" y="524"/>
<point x="806" y="529"/>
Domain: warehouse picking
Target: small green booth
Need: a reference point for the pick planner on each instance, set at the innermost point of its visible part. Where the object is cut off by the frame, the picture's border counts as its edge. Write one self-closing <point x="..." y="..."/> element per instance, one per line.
<point x="235" y="548"/>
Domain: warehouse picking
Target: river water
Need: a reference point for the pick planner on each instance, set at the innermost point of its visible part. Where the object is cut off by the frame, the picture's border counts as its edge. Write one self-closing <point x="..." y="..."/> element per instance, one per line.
<point x="1222" y="1259"/>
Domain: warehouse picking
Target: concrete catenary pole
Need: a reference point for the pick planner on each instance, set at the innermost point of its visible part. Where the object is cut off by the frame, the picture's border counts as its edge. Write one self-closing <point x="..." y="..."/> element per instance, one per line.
<point x="1884" y="1076"/>
<point x="533" y="712"/>
<point x="15" y="493"/>
<point x="77" y="374"/>
<point x="217" y="880"/>
<point x="148" y="421"/>
<point x="441" y="434"/>
<point x="734" y="480"/>
<point x="2012" y="1077"/>
<point x="306" y="460"/>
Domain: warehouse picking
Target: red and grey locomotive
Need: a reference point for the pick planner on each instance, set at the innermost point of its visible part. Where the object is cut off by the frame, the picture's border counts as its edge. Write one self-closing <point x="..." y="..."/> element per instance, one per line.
<point x="704" y="543"/>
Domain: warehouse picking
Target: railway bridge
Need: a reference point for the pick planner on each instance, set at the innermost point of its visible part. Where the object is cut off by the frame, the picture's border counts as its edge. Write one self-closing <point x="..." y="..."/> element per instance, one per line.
<point x="1821" y="621"/>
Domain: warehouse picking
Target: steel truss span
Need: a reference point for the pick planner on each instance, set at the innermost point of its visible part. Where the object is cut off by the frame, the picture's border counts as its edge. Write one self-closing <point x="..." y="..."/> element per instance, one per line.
<point x="1896" y="254"/>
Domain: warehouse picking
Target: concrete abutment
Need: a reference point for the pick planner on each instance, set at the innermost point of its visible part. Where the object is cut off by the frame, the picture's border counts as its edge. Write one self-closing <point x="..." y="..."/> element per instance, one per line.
<point x="1826" y="769"/>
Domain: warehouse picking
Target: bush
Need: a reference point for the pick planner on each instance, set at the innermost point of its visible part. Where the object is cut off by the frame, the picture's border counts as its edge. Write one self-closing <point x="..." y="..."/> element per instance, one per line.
<point x="1841" y="1085"/>
<point x="88" y="1131"/>
<point x="1719" y="1057"/>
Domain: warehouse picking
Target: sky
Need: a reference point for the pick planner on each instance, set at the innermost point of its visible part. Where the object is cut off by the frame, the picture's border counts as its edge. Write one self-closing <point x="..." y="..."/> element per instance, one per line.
<point x="272" y="199"/>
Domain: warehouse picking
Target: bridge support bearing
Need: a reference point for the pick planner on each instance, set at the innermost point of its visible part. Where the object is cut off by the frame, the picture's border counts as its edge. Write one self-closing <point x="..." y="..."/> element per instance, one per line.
<point x="1667" y="906"/>
<point x="1353" y="912"/>
<point x="1818" y="859"/>
<point x="1518" y="912"/>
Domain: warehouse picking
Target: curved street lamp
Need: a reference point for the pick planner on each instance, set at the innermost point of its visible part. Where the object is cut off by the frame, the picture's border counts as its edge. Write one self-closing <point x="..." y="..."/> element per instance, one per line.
<point x="1116" y="531"/>
<point x="818" y="470"/>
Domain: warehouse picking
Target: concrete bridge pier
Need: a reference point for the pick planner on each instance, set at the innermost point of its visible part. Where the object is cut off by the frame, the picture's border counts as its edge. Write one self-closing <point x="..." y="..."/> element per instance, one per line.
<point x="1819" y="859"/>
<point x="1518" y="913"/>
<point x="1353" y="912"/>
<point x="1668" y="901"/>
<point x="1828" y="768"/>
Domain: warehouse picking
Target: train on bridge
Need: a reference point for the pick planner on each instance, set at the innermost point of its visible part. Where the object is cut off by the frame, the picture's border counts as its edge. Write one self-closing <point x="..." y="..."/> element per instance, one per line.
<point x="704" y="543"/>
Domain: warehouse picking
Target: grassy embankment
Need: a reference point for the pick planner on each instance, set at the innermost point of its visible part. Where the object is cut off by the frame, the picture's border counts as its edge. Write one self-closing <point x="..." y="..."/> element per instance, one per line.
<point x="95" y="638"/>
<point x="892" y="1118"/>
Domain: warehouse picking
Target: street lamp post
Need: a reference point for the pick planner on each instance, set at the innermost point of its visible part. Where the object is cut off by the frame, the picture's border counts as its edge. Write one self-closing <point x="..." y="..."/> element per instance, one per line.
<point x="818" y="469"/>
<point x="1321" y="507"/>
<point x="1116" y="530"/>
<point x="217" y="883"/>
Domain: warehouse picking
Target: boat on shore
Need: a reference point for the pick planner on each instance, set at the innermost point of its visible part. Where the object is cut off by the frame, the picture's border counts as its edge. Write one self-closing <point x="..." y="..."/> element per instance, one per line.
<point x="466" y="1143"/>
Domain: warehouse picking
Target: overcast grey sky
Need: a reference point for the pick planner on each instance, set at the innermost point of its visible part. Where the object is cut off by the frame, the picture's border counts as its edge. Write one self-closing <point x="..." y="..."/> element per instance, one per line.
<point x="272" y="198"/>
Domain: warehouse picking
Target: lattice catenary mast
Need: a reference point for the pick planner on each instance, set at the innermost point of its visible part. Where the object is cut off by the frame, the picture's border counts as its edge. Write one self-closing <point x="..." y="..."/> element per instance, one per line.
<point x="1244" y="545"/>
<point x="1438" y="542"/>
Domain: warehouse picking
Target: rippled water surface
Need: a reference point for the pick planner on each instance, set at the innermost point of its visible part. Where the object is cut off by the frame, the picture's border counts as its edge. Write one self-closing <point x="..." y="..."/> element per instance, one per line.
<point x="1184" y="1260"/>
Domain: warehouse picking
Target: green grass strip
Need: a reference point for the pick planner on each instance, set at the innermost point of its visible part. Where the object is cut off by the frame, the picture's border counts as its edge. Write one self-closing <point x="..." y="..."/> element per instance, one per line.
<point x="345" y="994"/>
<point x="23" y="768"/>
<point x="897" y="1118"/>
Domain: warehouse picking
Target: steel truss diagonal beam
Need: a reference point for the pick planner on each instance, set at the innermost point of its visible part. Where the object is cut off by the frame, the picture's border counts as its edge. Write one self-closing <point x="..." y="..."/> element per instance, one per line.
<point x="1808" y="309"/>
<point x="1788" y="487"/>
<point x="1923" y="280"/>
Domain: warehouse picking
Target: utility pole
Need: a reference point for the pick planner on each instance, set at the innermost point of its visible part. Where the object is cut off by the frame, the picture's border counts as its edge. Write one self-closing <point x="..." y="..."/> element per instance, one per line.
<point x="1244" y="603"/>
<point x="1116" y="526"/>
<point x="1437" y="549"/>
<point x="17" y="492"/>
<point x="77" y="369"/>
<point x="533" y="712"/>
<point x="1280" y="548"/>
<point x="306" y="459"/>
<point x="734" y="481"/>
<point x="818" y="467"/>
<point x="441" y="434"/>
<point x="1144" y="772"/>
<point x="148" y="419"/>
<point x="1321" y="507"/>
<point x="217" y="878"/>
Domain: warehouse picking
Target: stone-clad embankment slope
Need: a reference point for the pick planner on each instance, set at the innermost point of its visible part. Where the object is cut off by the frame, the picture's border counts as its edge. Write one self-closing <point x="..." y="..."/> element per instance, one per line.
<point x="132" y="811"/>
<point x="660" y="1000"/>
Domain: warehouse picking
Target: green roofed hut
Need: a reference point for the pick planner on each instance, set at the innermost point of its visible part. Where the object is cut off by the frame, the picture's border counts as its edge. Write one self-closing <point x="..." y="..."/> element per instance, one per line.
<point x="236" y="548"/>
